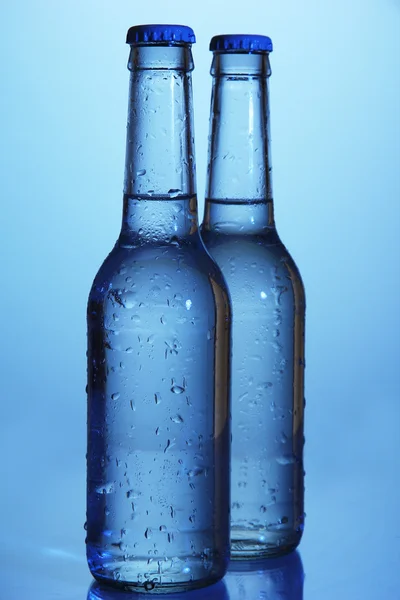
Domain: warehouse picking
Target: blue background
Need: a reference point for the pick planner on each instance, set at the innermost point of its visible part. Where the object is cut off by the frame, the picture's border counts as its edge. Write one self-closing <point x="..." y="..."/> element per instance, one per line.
<point x="335" y="108"/>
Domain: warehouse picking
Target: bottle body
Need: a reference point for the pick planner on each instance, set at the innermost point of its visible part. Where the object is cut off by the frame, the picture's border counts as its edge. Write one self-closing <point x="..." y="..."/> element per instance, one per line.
<point x="158" y="389"/>
<point x="268" y="316"/>
<point x="267" y="296"/>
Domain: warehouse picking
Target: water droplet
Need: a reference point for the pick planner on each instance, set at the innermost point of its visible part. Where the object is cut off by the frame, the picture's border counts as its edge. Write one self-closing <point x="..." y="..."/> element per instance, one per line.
<point x="209" y="334"/>
<point x="277" y="347"/>
<point x="264" y="385"/>
<point x="148" y="533"/>
<point x="163" y="528"/>
<point x="263" y="509"/>
<point x="188" y="304"/>
<point x="106" y="488"/>
<point x="163" y="320"/>
<point x="85" y="526"/>
<point x="157" y="398"/>
<point x="174" y="192"/>
<point x="129" y="350"/>
<point x="133" y="405"/>
<point x="177" y="419"/>
<point x="124" y="299"/>
<point x="177" y="389"/>
<point x="141" y="172"/>
<point x="149" y="585"/>
<point x="135" y="318"/>
<point x="168" y="446"/>
<point x="133" y="494"/>
<point x="263" y="295"/>
<point x="173" y="347"/>
<point x="286" y="459"/>
<point x="196" y="471"/>
<point x="278" y="291"/>
<point x="150" y="339"/>
<point x="115" y="396"/>
<point x="243" y="396"/>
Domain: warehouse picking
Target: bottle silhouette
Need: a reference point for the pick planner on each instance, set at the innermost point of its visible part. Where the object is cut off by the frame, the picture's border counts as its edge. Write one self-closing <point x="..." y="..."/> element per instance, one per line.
<point x="158" y="352"/>
<point x="268" y="305"/>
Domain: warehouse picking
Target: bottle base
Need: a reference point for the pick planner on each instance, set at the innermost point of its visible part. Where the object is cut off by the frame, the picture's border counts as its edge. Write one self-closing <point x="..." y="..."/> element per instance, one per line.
<point x="248" y="545"/>
<point x="164" y="576"/>
<point x="157" y="588"/>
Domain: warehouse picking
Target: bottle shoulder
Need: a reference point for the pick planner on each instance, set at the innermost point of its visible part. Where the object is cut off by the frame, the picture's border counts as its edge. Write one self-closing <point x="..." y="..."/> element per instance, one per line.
<point x="158" y="269"/>
<point x="256" y="261"/>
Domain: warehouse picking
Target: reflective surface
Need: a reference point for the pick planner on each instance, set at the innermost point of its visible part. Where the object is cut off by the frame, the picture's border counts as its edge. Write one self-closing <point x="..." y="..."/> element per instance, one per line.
<point x="350" y="548"/>
<point x="267" y="579"/>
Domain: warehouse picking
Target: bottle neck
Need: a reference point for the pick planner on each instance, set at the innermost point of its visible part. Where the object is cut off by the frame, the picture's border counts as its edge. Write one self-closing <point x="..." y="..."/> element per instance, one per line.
<point x="160" y="164"/>
<point x="239" y="182"/>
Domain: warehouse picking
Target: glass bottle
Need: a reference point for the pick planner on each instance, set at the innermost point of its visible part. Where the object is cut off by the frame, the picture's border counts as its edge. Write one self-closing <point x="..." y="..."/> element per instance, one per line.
<point x="158" y="352"/>
<point x="268" y="305"/>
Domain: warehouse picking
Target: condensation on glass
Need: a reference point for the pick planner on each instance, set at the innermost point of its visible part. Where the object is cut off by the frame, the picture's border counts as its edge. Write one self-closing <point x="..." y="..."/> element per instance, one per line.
<point x="158" y="353"/>
<point x="268" y="306"/>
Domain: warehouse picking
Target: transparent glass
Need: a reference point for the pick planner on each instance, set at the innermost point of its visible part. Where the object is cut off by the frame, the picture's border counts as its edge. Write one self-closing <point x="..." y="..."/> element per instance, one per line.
<point x="158" y="360"/>
<point x="268" y="312"/>
<point x="218" y="591"/>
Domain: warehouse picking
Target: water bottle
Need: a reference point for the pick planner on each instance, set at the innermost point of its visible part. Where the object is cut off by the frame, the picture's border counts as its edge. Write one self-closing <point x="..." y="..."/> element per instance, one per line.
<point x="268" y="305"/>
<point x="158" y="352"/>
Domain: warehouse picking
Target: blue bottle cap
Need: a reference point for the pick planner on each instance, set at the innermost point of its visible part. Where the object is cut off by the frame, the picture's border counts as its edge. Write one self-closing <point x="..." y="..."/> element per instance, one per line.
<point x="141" y="34"/>
<point x="241" y="43"/>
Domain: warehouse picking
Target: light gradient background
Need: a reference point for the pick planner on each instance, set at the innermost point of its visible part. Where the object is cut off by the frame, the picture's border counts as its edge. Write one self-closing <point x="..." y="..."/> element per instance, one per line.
<point x="335" y="108"/>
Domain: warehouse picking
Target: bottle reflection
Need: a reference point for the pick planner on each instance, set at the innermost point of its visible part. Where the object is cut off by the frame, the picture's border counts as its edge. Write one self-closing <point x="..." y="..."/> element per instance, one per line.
<point x="268" y="579"/>
<point x="218" y="591"/>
